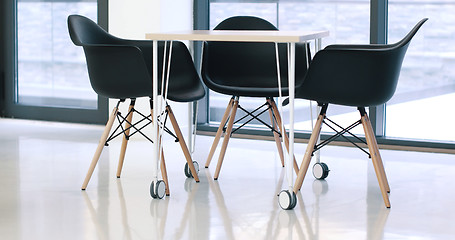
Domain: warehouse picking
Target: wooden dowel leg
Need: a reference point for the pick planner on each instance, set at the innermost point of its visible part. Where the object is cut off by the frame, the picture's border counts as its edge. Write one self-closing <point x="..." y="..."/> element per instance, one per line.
<point x="309" y="153"/>
<point x="164" y="173"/>
<point x="218" y="133"/>
<point x="227" y="136"/>
<point x="182" y="143"/>
<point x="125" y="139"/>
<point x="379" y="158"/>
<point x="276" y="136"/>
<point x="374" y="157"/>
<point x="283" y="131"/>
<point x="100" y="147"/>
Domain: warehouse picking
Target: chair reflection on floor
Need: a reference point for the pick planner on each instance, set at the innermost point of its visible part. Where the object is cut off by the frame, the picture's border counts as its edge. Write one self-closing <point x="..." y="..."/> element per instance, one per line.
<point x="288" y="220"/>
<point x="158" y="209"/>
<point x="196" y="212"/>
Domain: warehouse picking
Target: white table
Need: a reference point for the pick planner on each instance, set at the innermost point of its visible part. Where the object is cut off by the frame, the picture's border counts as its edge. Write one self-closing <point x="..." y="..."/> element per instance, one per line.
<point x="289" y="37"/>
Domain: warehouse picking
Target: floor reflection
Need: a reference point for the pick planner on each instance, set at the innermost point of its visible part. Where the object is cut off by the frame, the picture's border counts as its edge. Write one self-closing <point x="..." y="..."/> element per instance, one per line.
<point x="205" y="214"/>
<point x="41" y="198"/>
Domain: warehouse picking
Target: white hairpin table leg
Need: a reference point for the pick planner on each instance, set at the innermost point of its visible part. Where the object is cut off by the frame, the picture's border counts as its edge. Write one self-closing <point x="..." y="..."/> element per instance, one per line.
<point x="287" y="198"/>
<point x="157" y="187"/>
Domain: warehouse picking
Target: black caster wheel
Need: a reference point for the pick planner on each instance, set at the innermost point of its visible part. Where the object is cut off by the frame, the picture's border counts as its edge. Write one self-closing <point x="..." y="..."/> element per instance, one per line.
<point x="320" y="171"/>
<point x="287" y="200"/>
<point x="188" y="170"/>
<point x="158" y="190"/>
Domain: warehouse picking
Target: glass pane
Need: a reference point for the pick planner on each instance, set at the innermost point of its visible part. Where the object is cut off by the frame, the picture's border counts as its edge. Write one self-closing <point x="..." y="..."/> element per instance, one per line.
<point x="426" y="89"/>
<point x="219" y="12"/>
<point x="51" y="70"/>
<point x="347" y="21"/>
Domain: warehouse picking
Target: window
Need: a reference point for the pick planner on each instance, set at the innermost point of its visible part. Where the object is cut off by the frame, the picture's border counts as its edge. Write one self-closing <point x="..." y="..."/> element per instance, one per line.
<point x="420" y="113"/>
<point x="51" y="70"/>
<point x="422" y="105"/>
<point x="45" y="74"/>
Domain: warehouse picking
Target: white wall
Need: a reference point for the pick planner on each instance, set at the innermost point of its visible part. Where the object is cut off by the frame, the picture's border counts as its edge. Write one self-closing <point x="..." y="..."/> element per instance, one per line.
<point x="133" y="18"/>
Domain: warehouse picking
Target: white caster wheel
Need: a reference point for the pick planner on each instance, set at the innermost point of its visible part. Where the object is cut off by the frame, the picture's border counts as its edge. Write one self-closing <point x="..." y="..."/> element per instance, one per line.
<point x="158" y="190"/>
<point x="320" y="187"/>
<point x="320" y="171"/>
<point x="189" y="184"/>
<point x="188" y="170"/>
<point x="287" y="200"/>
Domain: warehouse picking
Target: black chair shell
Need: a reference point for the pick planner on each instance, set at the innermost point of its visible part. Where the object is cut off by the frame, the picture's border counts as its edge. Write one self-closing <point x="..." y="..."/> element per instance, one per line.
<point x="121" y="68"/>
<point x="355" y="75"/>
<point x="249" y="68"/>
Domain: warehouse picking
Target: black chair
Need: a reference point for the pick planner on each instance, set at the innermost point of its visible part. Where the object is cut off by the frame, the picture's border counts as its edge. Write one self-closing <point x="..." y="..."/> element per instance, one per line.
<point x="122" y="69"/>
<point x="357" y="76"/>
<point x="248" y="69"/>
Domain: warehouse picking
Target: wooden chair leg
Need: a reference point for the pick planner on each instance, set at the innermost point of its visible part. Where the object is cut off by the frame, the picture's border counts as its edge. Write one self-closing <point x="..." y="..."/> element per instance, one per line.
<point x="283" y="131"/>
<point x="164" y="173"/>
<point x="129" y="119"/>
<point x="182" y="143"/>
<point x="309" y="153"/>
<point x="219" y="132"/>
<point x="376" y="148"/>
<point x="276" y="136"/>
<point x="227" y="136"/>
<point x="369" y="135"/>
<point x="100" y="147"/>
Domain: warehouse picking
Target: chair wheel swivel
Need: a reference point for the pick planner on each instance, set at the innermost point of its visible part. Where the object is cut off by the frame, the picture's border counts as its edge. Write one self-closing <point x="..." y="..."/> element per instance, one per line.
<point x="287" y="200"/>
<point x="188" y="170"/>
<point x="158" y="190"/>
<point x="320" y="171"/>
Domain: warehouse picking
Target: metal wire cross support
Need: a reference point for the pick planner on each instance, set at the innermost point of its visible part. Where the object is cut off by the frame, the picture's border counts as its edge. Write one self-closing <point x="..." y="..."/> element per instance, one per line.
<point x="341" y="133"/>
<point x="145" y="120"/>
<point x="254" y="116"/>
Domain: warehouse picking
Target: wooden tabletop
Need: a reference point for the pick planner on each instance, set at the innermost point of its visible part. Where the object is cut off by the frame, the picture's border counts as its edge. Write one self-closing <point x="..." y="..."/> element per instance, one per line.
<point x="239" y="36"/>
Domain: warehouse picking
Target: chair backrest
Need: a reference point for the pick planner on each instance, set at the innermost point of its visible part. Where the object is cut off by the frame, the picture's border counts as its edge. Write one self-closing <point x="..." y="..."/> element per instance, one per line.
<point x="115" y="71"/>
<point x="121" y="68"/>
<point x="404" y="42"/>
<point x="356" y="75"/>
<point x="245" y="23"/>
<point x="246" y="64"/>
<point x="84" y="31"/>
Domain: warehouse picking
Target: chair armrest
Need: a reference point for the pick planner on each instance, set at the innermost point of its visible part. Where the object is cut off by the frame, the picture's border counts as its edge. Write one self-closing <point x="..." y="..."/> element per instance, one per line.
<point x="356" y="46"/>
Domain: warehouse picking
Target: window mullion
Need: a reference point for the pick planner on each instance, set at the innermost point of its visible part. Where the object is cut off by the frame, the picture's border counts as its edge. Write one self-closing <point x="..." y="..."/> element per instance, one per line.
<point x="378" y="35"/>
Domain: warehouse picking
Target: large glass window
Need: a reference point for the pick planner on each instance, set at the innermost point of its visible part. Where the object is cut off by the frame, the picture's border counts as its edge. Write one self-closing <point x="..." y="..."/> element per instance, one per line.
<point x="422" y="106"/>
<point x="347" y="21"/>
<point x="51" y="71"/>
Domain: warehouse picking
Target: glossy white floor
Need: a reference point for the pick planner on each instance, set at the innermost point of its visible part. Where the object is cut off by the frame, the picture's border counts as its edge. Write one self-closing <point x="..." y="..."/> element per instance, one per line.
<point x="43" y="164"/>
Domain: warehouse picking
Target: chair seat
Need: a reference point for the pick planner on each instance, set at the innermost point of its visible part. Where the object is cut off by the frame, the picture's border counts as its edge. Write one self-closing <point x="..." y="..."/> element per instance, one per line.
<point x="186" y="94"/>
<point x="250" y="91"/>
